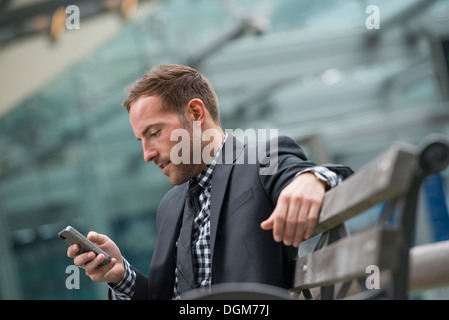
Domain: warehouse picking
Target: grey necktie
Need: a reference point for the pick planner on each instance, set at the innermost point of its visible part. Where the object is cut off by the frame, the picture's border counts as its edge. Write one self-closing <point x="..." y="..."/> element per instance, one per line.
<point x="184" y="262"/>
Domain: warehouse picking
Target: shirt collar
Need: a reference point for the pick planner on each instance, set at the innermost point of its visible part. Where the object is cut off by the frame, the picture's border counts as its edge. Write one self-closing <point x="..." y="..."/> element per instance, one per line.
<point x="205" y="176"/>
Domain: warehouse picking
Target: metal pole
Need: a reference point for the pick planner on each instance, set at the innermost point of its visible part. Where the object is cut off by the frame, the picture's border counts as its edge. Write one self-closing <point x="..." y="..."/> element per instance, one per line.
<point x="433" y="158"/>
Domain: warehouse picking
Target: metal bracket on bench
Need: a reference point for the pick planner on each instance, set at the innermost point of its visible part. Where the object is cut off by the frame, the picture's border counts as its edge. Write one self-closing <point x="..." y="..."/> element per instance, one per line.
<point x="327" y="238"/>
<point x="433" y="158"/>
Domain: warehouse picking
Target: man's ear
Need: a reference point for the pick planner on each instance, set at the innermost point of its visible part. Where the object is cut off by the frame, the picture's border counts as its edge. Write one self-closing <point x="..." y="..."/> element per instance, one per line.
<point x="196" y="110"/>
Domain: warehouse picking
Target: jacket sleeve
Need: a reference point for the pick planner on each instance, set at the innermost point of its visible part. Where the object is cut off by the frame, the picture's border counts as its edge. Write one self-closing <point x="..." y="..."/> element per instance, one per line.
<point x="280" y="159"/>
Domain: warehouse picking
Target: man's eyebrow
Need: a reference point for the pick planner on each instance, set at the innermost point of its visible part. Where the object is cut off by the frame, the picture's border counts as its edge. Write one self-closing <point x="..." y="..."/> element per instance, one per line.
<point x="147" y="128"/>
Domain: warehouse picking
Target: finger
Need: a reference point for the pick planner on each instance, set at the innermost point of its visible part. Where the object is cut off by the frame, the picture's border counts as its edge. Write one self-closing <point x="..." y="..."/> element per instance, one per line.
<point x="301" y="224"/>
<point x="73" y="250"/>
<point x="312" y="219"/>
<point x="267" y="224"/>
<point x="83" y="259"/>
<point x="291" y="221"/>
<point x="97" y="272"/>
<point x="279" y="215"/>
<point x="93" y="267"/>
<point x="109" y="266"/>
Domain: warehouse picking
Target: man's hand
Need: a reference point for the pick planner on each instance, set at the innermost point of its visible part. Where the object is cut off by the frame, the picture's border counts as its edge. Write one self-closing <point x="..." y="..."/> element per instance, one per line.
<point x="296" y="213"/>
<point x="113" y="272"/>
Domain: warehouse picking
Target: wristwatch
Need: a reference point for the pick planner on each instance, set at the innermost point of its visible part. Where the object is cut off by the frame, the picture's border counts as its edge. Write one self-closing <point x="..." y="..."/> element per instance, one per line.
<point x="322" y="178"/>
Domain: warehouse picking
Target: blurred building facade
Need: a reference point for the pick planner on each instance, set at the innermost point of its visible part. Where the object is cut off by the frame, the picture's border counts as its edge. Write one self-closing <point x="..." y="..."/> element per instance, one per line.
<point x="310" y="69"/>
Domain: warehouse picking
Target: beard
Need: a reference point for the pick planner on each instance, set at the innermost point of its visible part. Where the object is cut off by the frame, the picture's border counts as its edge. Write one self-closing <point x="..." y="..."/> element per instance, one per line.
<point x="183" y="172"/>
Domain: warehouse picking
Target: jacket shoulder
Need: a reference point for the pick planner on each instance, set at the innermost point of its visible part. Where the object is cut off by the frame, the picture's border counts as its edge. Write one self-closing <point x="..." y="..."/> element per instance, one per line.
<point x="274" y="147"/>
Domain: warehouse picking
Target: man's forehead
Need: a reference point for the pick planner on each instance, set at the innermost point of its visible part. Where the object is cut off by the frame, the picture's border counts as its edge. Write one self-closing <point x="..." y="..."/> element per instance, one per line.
<point x="145" y="104"/>
<point x="142" y="112"/>
<point x="148" y="111"/>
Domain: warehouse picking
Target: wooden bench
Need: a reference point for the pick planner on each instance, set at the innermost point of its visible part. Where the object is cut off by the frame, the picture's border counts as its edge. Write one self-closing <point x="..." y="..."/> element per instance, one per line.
<point x="393" y="178"/>
<point x="341" y="264"/>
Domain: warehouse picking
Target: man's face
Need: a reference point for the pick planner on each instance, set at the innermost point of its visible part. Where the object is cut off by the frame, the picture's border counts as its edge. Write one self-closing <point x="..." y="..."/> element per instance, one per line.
<point x="153" y="127"/>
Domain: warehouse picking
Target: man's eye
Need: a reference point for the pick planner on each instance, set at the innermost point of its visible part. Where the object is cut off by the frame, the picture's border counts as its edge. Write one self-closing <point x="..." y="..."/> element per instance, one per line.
<point x="155" y="133"/>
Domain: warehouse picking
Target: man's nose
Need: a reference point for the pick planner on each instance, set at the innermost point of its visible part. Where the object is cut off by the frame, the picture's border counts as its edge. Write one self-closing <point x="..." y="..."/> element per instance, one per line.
<point x="149" y="153"/>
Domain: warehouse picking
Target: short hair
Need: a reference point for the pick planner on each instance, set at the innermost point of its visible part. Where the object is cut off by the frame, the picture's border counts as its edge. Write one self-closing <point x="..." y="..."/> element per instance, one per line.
<point x="176" y="85"/>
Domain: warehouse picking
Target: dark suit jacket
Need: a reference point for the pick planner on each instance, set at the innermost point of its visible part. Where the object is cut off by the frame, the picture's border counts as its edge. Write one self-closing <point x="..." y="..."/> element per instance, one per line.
<point x="241" y="198"/>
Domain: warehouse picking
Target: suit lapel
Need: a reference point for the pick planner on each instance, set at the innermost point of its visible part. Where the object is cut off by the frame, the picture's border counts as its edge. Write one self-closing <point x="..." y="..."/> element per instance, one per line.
<point x="163" y="263"/>
<point x="219" y="183"/>
<point x="174" y="211"/>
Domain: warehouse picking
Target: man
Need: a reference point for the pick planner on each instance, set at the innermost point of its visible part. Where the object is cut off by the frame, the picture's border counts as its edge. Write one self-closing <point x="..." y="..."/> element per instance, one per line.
<point x="227" y="238"/>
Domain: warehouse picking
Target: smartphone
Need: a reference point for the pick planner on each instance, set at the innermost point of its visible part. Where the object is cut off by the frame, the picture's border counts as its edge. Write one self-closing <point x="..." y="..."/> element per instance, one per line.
<point x="71" y="236"/>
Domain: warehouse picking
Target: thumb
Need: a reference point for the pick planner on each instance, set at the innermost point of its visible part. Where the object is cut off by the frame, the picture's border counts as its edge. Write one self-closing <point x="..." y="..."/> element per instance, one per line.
<point x="267" y="224"/>
<point x="97" y="238"/>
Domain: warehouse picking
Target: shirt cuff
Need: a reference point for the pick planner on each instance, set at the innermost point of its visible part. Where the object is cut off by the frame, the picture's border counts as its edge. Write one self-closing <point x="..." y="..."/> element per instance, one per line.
<point x="331" y="178"/>
<point x="125" y="289"/>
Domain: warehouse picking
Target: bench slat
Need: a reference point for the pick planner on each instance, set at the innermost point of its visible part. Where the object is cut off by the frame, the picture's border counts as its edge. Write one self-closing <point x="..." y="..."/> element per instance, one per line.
<point x="347" y="259"/>
<point x="429" y="266"/>
<point x="386" y="177"/>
